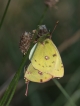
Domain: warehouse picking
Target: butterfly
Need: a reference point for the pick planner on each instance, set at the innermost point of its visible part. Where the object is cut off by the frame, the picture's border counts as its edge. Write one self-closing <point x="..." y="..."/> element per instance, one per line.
<point x="46" y="59"/>
<point x="45" y="63"/>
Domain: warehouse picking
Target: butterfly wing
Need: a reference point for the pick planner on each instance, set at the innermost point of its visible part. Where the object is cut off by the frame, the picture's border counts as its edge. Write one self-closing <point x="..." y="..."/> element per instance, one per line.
<point x="34" y="75"/>
<point x="45" y="57"/>
<point x="59" y="72"/>
<point x="59" y="68"/>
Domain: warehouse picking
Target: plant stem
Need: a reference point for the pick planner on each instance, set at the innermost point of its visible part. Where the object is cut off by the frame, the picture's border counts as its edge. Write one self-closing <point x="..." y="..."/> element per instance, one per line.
<point x="8" y="3"/>
<point x="64" y="92"/>
<point x="43" y="15"/>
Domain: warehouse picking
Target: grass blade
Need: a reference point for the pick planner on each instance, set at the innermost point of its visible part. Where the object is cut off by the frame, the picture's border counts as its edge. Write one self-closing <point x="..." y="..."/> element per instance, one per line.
<point x="64" y="92"/>
<point x="8" y="3"/>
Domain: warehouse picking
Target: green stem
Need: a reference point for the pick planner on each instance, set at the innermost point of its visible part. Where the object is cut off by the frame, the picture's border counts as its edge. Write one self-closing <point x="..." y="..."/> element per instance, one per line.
<point x="8" y="3"/>
<point x="17" y="78"/>
<point x="12" y="93"/>
<point x="43" y="15"/>
<point x="3" y="100"/>
<point x="13" y="82"/>
<point x="64" y="92"/>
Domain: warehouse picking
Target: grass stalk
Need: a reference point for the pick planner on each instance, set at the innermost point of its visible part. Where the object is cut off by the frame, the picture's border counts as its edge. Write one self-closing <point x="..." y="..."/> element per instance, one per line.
<point x="64" y="92"/>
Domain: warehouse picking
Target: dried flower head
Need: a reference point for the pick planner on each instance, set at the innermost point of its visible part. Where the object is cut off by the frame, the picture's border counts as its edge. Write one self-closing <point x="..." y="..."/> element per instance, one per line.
<point x="26" y="38"/>
<point x="25" y="41"/>
<point x="41" y="30"/>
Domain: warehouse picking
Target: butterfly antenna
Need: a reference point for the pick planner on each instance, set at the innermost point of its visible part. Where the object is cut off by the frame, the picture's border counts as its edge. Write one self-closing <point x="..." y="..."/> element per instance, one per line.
<point x="27" y="89"/>
<point x="54" y="27"/>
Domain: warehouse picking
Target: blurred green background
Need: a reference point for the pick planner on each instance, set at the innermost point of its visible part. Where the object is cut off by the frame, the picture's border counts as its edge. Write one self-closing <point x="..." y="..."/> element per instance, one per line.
<point x="24" y="16"/>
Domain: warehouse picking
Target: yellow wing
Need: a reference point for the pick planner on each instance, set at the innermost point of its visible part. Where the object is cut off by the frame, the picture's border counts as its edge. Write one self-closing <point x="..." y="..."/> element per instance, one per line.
<point x="59" y="73"/>
<point x="34" y="75"/>
<point x="46" y="58"/>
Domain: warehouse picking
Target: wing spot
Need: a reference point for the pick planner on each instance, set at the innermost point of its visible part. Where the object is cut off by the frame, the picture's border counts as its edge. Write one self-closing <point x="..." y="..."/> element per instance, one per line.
<point x="46" y="57"/>
<point x="39" y="72"/>
<point x="54" y="55"/>
<point x="35" y="60"/>
<point x="39" y="64"/>
<point x="41" y="80"/>
<point x="49" y="65"/>
<point x="42" y="66"/>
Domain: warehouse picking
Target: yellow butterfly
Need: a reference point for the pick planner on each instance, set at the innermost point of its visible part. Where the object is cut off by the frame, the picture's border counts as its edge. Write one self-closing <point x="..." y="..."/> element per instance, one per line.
<point x="45" y="57"/>
<point x="45" y="63"/>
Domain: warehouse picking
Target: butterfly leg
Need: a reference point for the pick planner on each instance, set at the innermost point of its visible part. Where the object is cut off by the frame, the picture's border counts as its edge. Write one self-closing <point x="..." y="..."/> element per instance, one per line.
<point x="26" y="93"/>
